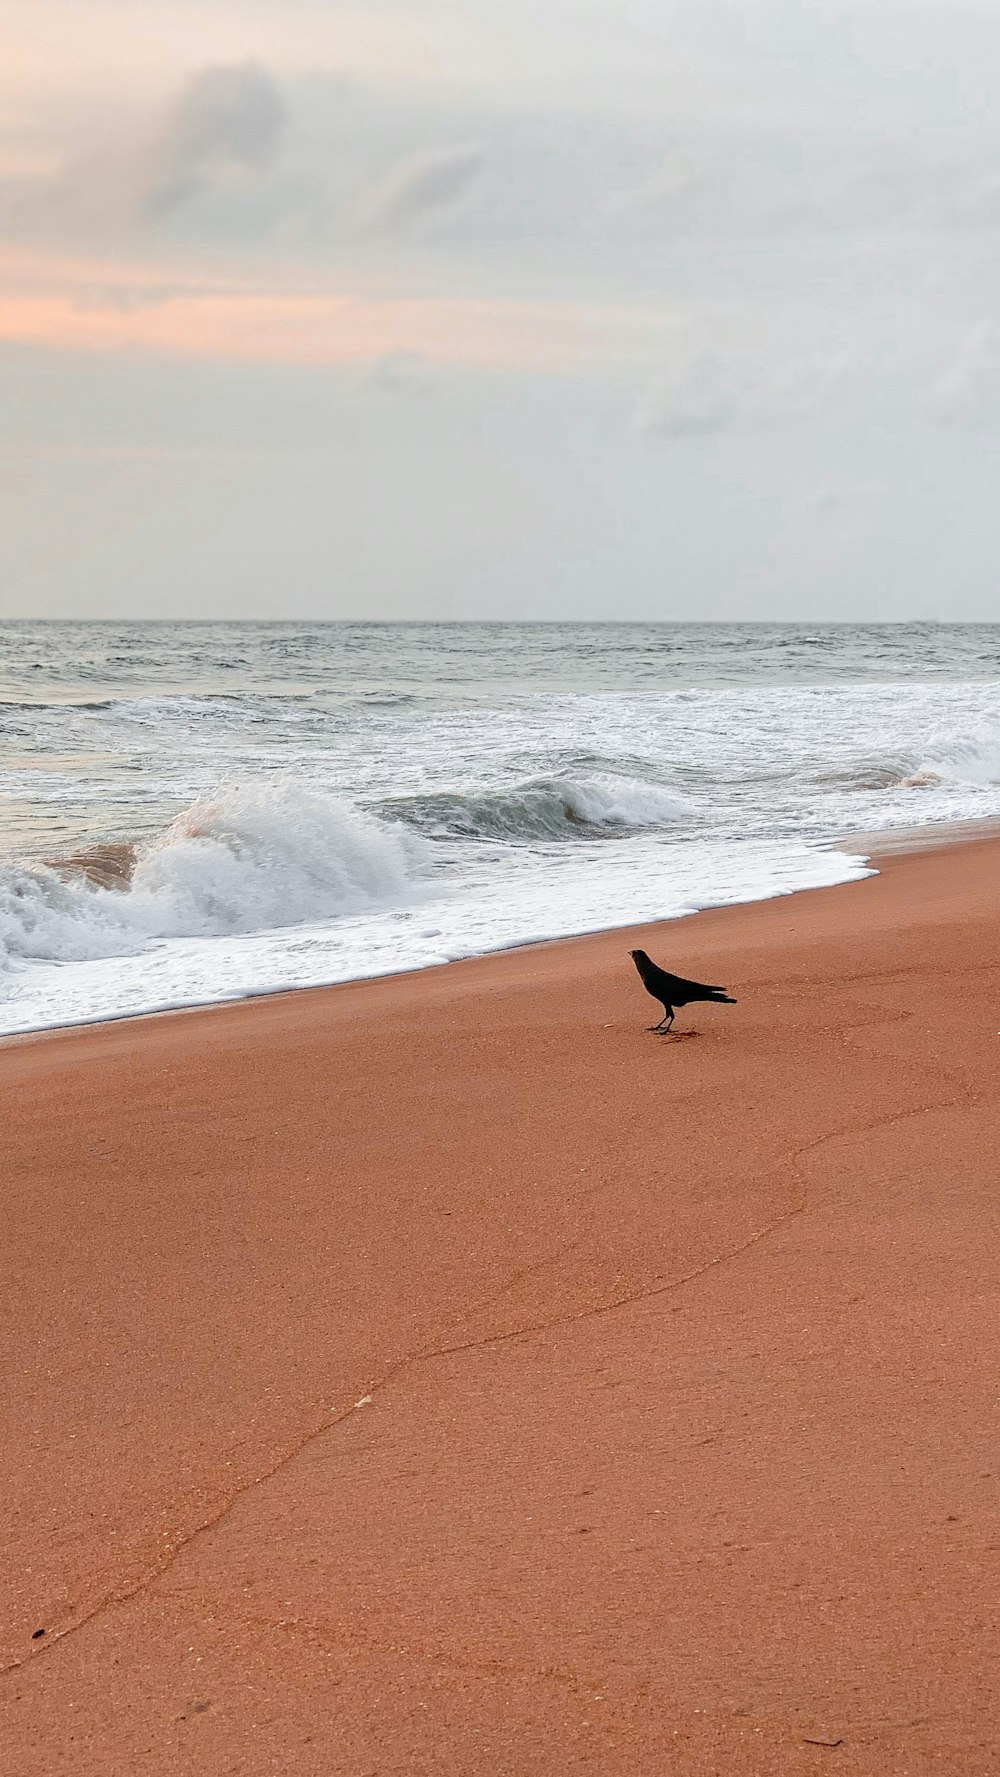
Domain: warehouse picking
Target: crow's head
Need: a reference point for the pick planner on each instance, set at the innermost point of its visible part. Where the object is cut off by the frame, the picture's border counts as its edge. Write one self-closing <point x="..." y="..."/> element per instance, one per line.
<point x="637" y="954"/>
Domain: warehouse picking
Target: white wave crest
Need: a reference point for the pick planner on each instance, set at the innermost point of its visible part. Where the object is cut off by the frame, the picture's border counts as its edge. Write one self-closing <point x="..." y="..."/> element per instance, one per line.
<point x="245" y="861"/>
<point x="972" y="761"/>
<point x="623" y="802"/>
<point x="544" y="809"/>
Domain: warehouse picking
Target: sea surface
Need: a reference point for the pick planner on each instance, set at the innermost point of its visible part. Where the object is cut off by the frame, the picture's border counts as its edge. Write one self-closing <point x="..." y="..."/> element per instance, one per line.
<point x="200" y="812"/>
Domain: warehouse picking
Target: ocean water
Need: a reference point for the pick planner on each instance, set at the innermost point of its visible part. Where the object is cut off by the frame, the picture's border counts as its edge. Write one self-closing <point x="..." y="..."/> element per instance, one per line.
<point x="200" y="812"/>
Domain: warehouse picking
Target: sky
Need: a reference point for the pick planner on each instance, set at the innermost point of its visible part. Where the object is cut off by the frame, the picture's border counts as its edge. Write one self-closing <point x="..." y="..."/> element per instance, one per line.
<point x="551" y="309"/>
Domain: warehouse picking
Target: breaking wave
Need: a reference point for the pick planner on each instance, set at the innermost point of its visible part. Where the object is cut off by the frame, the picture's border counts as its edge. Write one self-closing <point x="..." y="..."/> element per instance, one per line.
<point x="244" y="861"/>
<point x="973" y="762"/>
<point x="554" y="808"/>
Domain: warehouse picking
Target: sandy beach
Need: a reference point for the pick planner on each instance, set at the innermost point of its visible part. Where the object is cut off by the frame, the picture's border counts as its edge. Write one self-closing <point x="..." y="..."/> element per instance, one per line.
<point x="442" y="1375"/>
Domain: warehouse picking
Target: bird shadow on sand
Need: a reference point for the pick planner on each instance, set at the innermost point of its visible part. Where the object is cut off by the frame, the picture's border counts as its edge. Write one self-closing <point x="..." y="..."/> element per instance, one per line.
<point x="677" y="1036"/>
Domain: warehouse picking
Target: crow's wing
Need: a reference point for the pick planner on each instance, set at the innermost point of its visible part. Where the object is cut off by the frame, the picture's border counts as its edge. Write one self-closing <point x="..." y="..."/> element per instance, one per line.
<point x="677" y="984"/>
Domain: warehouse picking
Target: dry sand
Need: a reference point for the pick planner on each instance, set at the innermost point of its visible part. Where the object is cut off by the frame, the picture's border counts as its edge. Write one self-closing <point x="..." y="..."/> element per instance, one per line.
<point x="441" y="1375"/>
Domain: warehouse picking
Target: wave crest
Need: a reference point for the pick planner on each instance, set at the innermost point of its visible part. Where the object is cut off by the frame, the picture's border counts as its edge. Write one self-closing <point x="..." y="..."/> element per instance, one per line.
<point x="244" y="861"/>
<point x="556" y="808"/>
<point x="975" y="761"/>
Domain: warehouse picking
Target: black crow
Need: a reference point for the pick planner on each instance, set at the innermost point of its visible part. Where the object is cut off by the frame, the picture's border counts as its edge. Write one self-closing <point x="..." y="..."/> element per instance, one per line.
<point x="673" y="990"/>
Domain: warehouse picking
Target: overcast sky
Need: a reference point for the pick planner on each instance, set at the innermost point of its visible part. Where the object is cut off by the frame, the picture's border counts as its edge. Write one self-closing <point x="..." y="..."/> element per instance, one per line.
<point x="489" y="308"/>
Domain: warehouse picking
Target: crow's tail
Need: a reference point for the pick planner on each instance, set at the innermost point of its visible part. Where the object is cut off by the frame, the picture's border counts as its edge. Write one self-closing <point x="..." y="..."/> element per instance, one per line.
<point x="722" y="999"/>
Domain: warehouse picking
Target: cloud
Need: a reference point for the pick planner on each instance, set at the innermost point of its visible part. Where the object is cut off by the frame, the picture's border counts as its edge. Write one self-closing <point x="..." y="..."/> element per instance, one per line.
<point x="705" y="398"/>
<point x="220" y="138"/>
<point x="399" y="373"/>
<point x="227" y="119"/>
<point x="126" y="298"/>
<point x="797" y="389"/>
<point x="424" y="185"/>
<point x="328" y="167"/>
<point x="969" y="393"/>
<point x="75" y="304"/>
<point x="238" y="157"/>
<point x="718" y="393"/>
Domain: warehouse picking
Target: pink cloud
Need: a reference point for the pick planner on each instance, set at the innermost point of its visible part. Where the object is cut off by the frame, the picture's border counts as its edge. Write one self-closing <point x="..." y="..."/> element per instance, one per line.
<point x="107" y="307"/>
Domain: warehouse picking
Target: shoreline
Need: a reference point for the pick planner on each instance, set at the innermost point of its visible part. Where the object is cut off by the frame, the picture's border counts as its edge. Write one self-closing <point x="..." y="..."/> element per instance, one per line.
<point x="525" y="947"/>
<point x="440" y="1374"/>
<point x="888" y="842"/>
<point x="884" y="844"/>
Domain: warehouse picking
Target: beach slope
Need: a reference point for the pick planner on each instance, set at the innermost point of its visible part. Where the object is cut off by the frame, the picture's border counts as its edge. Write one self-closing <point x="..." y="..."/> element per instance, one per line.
<point x="441" y="1375"/>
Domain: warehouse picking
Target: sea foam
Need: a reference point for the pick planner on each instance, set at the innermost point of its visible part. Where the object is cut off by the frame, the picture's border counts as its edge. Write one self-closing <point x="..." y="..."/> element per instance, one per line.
<point x="242" y="861"/>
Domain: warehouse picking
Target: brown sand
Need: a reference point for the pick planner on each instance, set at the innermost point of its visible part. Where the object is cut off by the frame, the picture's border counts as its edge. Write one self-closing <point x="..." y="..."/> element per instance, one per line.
<point x="682" y="1453"/>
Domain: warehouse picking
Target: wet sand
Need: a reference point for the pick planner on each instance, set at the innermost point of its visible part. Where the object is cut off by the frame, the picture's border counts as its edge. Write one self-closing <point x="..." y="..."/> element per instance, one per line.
<point x="441" y="1375"/>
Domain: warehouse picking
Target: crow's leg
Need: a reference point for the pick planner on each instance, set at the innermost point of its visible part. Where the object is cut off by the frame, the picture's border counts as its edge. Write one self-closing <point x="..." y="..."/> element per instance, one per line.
<point x="656" y="1028"/>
